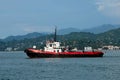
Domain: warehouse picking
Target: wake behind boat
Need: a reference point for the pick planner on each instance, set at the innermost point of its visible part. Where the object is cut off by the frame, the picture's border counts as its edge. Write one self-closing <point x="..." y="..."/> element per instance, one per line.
<point x="53" y="50"/>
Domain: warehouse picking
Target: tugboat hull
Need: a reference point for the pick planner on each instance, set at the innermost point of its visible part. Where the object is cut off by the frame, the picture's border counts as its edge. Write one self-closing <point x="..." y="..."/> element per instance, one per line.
<point x="33" y="53"/>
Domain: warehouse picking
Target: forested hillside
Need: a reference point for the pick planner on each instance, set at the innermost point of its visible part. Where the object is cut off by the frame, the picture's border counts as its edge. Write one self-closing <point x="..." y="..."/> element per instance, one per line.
<point x="74" y="39"/>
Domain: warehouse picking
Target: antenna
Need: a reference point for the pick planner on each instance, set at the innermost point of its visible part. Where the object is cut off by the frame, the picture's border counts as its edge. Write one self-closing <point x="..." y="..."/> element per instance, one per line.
<point x="55" y="35"/>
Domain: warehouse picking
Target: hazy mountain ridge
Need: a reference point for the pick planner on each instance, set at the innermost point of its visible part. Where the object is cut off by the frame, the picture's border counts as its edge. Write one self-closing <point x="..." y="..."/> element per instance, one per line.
<point x="77" y="39"/>
<point x="67" y="31"/>
<point x="102" y="28"/>
<point x="27" y="36"/>
<point x="95" y="30"/>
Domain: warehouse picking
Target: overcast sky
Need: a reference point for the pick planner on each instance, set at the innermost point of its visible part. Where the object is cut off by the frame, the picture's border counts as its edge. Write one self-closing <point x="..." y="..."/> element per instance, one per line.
<point x="18" y="17"/>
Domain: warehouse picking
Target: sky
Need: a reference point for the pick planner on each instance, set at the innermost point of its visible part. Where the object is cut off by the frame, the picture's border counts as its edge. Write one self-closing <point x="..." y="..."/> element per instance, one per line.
<point x="19" y="17"/>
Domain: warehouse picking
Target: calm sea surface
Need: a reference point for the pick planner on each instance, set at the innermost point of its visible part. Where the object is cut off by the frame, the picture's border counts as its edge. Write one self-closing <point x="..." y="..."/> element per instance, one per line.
<point x="17" y="66"/>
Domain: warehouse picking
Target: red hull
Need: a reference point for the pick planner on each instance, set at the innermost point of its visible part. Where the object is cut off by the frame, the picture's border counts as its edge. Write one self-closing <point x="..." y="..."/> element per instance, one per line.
<point x="33" y="53"/>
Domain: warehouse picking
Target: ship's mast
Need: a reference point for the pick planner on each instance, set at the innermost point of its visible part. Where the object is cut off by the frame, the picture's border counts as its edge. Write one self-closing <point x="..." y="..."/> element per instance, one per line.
<point x="55" y="35"/>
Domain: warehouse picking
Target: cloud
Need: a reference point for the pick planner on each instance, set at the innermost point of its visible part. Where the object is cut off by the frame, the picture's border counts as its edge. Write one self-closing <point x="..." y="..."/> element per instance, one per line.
<point x="109" y="7"/>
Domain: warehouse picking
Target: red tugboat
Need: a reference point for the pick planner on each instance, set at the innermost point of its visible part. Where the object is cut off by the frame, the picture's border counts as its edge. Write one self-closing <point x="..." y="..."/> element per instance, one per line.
<point x="54" y="50"/>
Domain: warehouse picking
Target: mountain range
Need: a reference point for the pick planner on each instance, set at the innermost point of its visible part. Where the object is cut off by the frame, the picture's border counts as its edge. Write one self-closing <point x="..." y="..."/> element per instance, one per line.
<point x="27" y="36"/>
<point x="101" y="29"/>
<point x="74" y="39"/>
<point x="95" y="30"/>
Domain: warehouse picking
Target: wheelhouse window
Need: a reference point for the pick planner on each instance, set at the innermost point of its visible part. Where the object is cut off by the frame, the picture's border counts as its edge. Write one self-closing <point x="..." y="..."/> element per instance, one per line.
<point x="50" y="45"/>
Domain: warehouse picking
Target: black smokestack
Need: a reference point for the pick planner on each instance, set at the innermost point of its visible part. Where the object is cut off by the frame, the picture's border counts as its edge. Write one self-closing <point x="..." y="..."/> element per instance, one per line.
<point x="55" y="35"/>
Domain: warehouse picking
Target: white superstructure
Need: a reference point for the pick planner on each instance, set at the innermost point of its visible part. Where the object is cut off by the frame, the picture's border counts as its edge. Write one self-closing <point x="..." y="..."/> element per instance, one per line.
<point x="53" y="47"/>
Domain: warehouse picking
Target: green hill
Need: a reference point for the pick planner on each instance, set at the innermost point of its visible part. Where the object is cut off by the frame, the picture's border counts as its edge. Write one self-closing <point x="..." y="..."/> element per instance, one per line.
<point x="74" y="39"/>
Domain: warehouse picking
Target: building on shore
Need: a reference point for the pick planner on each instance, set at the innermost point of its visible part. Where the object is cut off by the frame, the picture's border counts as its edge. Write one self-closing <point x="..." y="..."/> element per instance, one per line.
<point x="111" y="47"/>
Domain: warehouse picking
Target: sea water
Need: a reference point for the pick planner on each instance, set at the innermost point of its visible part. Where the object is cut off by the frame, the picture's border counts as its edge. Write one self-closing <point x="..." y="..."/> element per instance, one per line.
<point x="17" y="66"/>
